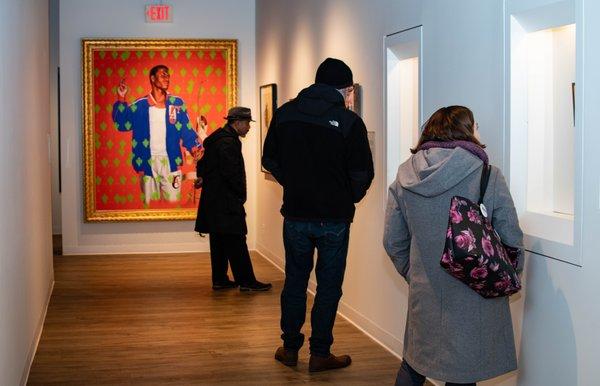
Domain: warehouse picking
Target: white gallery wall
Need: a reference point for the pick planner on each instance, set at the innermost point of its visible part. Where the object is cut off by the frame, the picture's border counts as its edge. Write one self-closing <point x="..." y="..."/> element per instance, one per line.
<point x="556" y="317"/>
<point x="26" y="273"/>
<point x="226" y="19"/>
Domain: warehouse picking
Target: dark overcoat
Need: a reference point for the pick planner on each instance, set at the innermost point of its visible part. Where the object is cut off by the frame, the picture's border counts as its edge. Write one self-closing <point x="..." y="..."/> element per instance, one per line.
<point x="221" y="208"/>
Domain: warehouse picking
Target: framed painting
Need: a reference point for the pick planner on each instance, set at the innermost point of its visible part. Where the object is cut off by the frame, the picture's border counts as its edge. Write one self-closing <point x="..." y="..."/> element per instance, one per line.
<point x="353" y="99"/>
<point x="268" y="104"/>
<point x="147" y="105"/>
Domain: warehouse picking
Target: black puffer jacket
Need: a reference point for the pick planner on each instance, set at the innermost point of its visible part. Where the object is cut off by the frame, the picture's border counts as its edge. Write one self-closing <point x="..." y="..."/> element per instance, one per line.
<point x="221" y="208"/>
<point x="319" y="152"/>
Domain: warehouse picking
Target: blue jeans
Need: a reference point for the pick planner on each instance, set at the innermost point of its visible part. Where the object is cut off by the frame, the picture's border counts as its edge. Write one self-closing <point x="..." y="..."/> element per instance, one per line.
<point x="300" y="239"/>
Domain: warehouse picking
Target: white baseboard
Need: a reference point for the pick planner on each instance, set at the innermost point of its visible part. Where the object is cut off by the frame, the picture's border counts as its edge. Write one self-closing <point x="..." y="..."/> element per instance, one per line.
<point x="382" y="337"/>
<point x="37" y="337"/>
<point x="134" y="249"/>
<point x="271" y="257"/>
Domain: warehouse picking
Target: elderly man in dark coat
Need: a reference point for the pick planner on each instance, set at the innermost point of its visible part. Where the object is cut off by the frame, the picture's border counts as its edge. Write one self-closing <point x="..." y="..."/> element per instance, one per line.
<point x="221" y="211"/>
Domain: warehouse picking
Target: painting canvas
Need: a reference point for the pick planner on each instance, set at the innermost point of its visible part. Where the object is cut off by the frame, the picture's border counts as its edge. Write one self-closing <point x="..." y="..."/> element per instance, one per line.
<point x="140" y="150"/>
<point x="353" y="100"/>
<point x="268" y="104"/>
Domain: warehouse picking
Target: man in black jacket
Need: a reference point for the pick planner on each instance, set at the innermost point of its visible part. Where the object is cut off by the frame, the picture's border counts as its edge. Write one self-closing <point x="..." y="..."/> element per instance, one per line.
<point x="319" y="152"/>
<point x="221" y="210"/>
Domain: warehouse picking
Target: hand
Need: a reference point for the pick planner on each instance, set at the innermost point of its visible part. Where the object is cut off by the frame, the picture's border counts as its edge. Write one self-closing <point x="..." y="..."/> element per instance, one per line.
<point x="197" y="153"/>
<point x="122" y="90"/>
<point x="201" y="127"/>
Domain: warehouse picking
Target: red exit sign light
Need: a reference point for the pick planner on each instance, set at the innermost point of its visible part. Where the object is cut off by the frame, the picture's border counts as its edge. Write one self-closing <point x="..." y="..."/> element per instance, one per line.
<point x="159" y="13"/>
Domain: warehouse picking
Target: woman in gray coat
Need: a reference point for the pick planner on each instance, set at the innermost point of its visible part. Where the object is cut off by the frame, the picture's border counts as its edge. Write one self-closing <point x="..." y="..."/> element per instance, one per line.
<point x="452" y="333"/>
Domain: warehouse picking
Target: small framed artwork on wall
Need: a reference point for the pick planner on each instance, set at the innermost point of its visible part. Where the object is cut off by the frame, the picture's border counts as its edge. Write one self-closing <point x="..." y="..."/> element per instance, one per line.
<point x="353" y="99"/>
<point x="268" y="104"/>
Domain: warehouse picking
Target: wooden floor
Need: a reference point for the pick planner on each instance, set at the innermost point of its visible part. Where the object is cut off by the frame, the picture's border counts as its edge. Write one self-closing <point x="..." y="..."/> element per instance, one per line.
<point x="154" y="320"/>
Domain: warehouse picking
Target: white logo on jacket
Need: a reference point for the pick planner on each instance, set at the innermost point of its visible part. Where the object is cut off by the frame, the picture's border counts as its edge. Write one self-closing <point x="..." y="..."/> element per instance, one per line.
<point x="334" y="123"/>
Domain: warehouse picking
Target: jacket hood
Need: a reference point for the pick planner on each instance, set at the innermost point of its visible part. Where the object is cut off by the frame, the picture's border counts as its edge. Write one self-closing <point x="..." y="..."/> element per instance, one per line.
<point x="318" y="98"/>
<point x="223" y="132"/>
<point x="432" y="172"/>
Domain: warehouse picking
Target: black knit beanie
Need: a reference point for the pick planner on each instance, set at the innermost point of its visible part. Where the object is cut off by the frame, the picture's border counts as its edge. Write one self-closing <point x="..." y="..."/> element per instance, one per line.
<point x="334" y="72"/>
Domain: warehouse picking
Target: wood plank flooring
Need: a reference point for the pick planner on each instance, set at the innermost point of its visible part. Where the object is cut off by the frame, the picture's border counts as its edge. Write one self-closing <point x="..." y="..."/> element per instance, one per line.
<point x="154" y="320"/>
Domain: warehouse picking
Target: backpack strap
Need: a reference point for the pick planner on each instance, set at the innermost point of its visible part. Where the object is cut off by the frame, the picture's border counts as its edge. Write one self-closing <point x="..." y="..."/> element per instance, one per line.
<point x="485" y="177"/>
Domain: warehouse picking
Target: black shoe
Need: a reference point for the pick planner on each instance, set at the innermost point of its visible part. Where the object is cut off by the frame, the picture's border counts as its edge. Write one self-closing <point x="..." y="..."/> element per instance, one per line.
<point x="287" y="356"/>
<point x="255" y="286"/>
<point x="317" y="363"/>
<point x="224" y="285"/>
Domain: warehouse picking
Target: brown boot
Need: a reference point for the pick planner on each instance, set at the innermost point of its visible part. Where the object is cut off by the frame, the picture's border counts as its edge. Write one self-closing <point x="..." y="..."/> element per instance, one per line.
<point x="331" y="362"/>
<point x="287" y="356"/>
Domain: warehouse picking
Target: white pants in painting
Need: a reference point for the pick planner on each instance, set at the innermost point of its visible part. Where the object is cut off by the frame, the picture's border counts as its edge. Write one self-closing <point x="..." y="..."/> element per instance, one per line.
<point x="162" y="180"/>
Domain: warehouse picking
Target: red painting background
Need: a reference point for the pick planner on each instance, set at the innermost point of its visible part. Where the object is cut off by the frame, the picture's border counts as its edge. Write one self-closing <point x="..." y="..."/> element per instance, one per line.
<point x="197" y="76"/>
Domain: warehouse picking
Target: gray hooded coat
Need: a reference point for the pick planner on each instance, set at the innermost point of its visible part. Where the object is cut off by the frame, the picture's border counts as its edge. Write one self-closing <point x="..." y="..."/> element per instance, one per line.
<point x="452" y="333"/>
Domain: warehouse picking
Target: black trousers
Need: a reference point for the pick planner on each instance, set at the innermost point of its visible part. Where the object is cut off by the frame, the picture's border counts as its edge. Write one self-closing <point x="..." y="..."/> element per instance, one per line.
<point x="232" y="249"/>
<point x="407" y="376"/>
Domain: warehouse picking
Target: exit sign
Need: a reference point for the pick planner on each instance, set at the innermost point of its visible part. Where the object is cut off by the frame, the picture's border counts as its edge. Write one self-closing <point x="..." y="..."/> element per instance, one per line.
<point x="159" y="13"/>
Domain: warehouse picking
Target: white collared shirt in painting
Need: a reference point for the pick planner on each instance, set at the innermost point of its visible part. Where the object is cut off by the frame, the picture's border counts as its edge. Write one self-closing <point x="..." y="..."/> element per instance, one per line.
<point x="158" y="131"/>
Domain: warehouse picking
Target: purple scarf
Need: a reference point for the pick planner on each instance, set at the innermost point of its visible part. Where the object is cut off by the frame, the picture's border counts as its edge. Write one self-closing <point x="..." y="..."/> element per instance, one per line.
<point x="471" y="147"/>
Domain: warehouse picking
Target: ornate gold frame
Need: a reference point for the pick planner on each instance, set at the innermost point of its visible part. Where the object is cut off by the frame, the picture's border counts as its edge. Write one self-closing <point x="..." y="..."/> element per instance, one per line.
<point x="88" y="47"/>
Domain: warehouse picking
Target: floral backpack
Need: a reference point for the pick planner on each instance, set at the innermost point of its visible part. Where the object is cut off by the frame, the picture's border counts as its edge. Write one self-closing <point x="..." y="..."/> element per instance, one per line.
<point x="474" y="253"/>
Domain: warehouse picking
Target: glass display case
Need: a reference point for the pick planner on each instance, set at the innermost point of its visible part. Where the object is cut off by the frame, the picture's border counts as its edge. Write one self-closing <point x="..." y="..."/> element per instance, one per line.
<point x="542" y="125"/>
<point x="403" y="96"/>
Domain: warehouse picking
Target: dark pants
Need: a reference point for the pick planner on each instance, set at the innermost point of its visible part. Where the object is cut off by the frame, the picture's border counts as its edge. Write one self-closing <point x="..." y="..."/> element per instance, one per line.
<point x="230" y="248"/>
<point x="407" y="376"/>
<point x="300" y="240"/>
